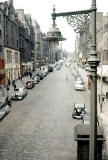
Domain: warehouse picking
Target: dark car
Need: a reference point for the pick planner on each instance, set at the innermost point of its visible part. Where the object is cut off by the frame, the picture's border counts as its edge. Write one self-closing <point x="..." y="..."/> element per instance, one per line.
<point x="78" y="111"/>
<point x="50" y="68"/>
<point x="30" y="84"/>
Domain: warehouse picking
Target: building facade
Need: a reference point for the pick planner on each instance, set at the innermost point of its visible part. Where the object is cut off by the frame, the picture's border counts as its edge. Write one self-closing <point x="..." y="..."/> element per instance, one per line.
<point x="11" y="41"/>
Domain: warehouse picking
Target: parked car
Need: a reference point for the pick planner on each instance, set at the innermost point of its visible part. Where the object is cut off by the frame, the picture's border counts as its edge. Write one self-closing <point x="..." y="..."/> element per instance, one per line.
<point x="40" y="74"/>
<point x="79" y="85"/>
<point x="68" y="64"/>
<point x="4" y="107"/>
<point x="50" y="68"/>
<point x="19" y="94"/>
<point x="86" y="119"/>
<point x="78" y="111"/>
<point x="36" y="79"/>
<point x="30" y="84"/>
<point x="58" y="67"/>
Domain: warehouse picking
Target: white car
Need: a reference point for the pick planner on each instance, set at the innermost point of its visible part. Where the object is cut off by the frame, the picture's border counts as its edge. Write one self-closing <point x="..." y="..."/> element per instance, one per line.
<point x="20" y="93"/>
<point x="68" y="64"/>
<point x="4" y="108"/>
<point x="79" y="85"/>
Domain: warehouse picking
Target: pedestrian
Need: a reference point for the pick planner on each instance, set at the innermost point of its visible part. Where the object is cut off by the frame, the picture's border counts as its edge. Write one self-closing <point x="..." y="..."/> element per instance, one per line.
<point x="13" y="82"/>
<point x="14" y="86"/>
<point x="23" y="82"/>
<point x="21" y="78"/>
<point x="8" y="82"/>
<point x="7" y="89"/>
<point x="99" y="97"/>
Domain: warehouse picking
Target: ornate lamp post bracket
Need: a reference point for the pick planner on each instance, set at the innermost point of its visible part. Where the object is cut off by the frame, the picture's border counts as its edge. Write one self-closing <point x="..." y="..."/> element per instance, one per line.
<point x="79" y="22"/>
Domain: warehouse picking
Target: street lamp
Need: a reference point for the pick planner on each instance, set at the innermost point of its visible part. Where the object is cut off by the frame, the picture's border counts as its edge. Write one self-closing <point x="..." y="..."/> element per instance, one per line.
<point x="53" y="37"/>
<point x="79" y="21"/>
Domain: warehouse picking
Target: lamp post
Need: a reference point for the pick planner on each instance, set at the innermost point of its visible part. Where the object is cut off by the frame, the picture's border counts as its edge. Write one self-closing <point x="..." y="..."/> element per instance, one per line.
<point x="82" y="18"/>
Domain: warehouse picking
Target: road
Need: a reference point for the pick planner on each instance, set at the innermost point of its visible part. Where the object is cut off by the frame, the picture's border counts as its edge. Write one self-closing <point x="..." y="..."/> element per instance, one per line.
<point x="41" y="126"/>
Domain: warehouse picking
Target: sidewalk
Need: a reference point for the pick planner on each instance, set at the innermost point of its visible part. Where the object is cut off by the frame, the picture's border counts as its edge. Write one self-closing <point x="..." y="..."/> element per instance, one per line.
<point x="103" y="117"/>
<point x="18" y="85"/>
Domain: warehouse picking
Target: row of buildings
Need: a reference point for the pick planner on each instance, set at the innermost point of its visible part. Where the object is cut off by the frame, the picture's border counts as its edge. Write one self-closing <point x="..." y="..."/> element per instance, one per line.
<point x="21" y="46"/>
<point x="84" y="39"/>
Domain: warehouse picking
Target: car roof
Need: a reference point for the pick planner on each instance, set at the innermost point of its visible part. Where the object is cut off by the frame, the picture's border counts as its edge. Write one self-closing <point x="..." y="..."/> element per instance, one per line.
<point x="77" y="105"/>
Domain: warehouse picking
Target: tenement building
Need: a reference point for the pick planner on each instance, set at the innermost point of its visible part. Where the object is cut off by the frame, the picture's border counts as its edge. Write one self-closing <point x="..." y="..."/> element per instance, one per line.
<point x="11" y="41"/>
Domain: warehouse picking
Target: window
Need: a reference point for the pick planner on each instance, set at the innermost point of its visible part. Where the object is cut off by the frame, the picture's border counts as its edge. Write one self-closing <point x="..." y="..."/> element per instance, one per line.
<point x="17" y="43"/>
<point x="1" y="49"/>
<point x="6" y="39"/>
<point x="16" y="57"/>
<point x="12" y="41"/>
<point x="12" y="28"/>
<point x="0" y="34"/>
<point x="9" y="56"/>
<point x="0" y="18"/>
<point x="6" y="24"/>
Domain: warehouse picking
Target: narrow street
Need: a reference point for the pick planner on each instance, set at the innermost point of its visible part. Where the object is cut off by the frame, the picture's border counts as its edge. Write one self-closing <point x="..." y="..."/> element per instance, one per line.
<point x="41" y="126"/>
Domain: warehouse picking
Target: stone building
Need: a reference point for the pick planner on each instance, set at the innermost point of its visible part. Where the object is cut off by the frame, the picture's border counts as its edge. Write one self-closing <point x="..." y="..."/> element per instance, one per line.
<point x="83" y="41"/>
<point x="11" y="41"/>
<point x="41" y="47"/>
<point x="26" y="41"/>
<point x="2" y="60"/>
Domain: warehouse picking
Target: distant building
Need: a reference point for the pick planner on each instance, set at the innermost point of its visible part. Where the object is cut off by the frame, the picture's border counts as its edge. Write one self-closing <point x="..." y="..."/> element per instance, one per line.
<point x="26" y="41"/>
<point x="83" y="41"/>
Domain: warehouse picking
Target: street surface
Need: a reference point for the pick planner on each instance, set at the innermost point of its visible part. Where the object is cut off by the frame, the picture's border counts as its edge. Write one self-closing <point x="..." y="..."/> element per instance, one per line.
<point x="41" y="126"/>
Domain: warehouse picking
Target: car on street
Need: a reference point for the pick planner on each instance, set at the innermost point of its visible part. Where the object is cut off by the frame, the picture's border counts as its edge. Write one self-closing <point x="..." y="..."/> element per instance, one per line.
<point x="36" y="79"/>
<point x="58" y="67"/>
<point x="40" y="74"/>
<point x="19" y="94"/>
<point x="4" y="107"/>
<point x="86" y="119"/>
<point x="30" y="84"/>
<point x="79" y="85"/>
<point x="50" y="68"/>
<point x="68" y="64"/>
<point x="78" y="110"/>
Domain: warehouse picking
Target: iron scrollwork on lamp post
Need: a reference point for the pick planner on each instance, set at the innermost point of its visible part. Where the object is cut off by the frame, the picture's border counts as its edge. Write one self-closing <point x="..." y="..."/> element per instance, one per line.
<point x="80" y="21"/>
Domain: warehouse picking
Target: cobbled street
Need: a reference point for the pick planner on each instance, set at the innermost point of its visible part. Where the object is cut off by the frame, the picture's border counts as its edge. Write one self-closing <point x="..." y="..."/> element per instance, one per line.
<point x="41" y="126"/>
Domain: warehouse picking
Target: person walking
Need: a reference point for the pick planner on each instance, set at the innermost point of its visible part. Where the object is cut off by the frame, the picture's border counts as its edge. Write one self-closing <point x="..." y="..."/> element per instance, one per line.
<point x="8" y="82"/>
<point x="14" y="86"/>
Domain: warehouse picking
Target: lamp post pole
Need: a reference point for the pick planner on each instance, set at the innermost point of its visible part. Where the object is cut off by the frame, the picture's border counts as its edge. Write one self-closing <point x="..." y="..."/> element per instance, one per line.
<point x="93" y="61"/>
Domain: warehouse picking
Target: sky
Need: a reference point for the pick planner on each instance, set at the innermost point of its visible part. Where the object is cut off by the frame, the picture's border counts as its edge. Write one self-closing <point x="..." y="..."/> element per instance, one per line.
<point x="41" y="11"/>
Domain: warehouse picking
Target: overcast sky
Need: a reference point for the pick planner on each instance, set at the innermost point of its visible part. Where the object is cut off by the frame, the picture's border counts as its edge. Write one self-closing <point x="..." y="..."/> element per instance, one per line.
<point x="41" y="11"/>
